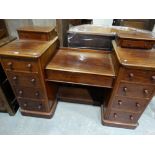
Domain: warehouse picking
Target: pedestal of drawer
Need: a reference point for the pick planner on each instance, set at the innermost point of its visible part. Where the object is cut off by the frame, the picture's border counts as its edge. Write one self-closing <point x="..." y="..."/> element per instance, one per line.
<point x="135" y="90"/>
<point x="123" y="117"/>
<point x="20" y="64"/>
<point x="129" y="104"/>
<point x="24" y="79"/>
<point x="28" y="92"/>
<point x="33" y="105"/>
<point x="138" y="76"/>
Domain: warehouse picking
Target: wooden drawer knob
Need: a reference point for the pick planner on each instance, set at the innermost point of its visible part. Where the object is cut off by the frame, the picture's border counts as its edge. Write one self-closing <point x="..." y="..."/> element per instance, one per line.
<point x="29" y="66"/>
<point x="131" y="75"/>
<point x="115" y="115"/>
<point x="20" y="92"/>
<point x="25" y="105"/>
<point x="137" y="105"/>
<point x="153" y="78"/>
<point x="125" y="89"/>
<point x="146" y="92"/>
<point x="14" y="78"/>
<point x="131" y="117"/>
<point x="39" y="107"/>
<point x="37" y="94"/>
<point x="33" y="80"/>
<point x="10" y="64"/>
<point x="119" y="102"/>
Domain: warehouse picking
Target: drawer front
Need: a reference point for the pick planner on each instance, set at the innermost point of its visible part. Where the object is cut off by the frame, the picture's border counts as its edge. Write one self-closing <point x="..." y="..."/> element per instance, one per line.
<point x="20" y="65"/>
<point x="138" y="76"/>
<point x="79" y="78"/>
<point x="135" y="90"/>
<point x="123" y="117"/>
<point x="128" y="104"/>
<point x="24" y="79"/>
<point x="32" y="105"/>
<point x="28" y="92"/>
<point x="135" y="44"/>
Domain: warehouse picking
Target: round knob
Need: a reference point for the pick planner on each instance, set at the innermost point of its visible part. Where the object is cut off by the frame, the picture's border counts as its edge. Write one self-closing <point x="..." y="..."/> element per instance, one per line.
<point x="25" y="105"/>
<point x="29" y="66"/>
<point x="37" y="94"/>
<point x="137" y="105"/>
<point x="33" y="80"/>
<point x="146" y="91"/>
<point x="153" y="78"/>
<point x="131" y="75"/>
<point x="14" y="78"/>
<point x="119" y="102"/>
<point x="125" y="89"/>
<point x="131" y="117"/>
<point x="115" y="115"/>
<point x="20" y="92"/>
<point x="39" y="107"/>
<point x="10" y="64"/>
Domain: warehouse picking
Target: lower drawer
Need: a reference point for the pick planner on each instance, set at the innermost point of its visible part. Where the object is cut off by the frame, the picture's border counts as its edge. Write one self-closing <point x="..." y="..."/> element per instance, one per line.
<point x="33" y="105"/>
<point x="129" y="104"/>
<point x="28" y="92"/>
<point x="123" y="117"/>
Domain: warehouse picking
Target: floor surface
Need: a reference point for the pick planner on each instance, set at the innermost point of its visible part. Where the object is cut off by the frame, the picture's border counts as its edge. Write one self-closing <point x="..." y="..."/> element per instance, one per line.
<point x="72" y="118"/>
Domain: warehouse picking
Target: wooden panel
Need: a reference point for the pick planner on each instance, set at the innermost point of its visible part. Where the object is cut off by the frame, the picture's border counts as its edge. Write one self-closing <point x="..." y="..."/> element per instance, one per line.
<point x="81" y="94"/>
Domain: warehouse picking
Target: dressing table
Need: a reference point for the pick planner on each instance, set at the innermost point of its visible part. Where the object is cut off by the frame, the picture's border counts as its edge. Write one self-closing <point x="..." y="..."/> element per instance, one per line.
<point x="120" y="78"/>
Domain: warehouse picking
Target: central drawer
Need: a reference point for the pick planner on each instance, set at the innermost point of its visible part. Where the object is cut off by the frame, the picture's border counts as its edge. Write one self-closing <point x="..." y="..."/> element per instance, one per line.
<point x="24" y="79"/>
<point x="79" y="78"/>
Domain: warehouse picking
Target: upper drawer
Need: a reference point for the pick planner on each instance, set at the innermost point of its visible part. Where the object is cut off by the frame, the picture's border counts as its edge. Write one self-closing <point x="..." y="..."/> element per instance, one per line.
<point x="138" y="76"/>
<point x="135" y="90"/>
<point x="24" y="79"/>
<point x="20" y="65"/>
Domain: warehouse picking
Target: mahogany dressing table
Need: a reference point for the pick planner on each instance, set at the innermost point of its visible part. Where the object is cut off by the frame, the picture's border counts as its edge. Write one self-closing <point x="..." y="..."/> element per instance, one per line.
<point x="121" y="80"/>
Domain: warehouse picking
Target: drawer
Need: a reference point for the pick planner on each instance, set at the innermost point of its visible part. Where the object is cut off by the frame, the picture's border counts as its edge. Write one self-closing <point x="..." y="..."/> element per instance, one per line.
<point x="28" y="92"/>
<point x="33" y="105"/>
<point x="138" y="76"/>
<point x="129" y="104"/>
<point x="20" y="65"/>
<point x="131" y="43"/>
<point x="135" y="90"/>
<point x="123" y="117"/>
<point x="24" y="79"/>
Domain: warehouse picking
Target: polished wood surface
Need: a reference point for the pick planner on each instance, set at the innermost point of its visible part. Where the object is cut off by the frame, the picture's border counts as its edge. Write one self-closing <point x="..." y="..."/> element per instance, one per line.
<point x="87" y="67"/>
<point x="26" y="48"/>
<point x="138" y="58"/>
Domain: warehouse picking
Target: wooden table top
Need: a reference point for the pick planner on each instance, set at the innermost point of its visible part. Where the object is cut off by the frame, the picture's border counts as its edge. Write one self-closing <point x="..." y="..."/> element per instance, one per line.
<point x="139" y="58"/>
<point x="42" y="29"/>
<point x="26" y="48"/>
<point x="82" y="61"/>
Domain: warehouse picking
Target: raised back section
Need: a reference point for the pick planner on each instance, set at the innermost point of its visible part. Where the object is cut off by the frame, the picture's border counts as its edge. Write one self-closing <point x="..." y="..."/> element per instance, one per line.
<point x="37" y="33"/>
